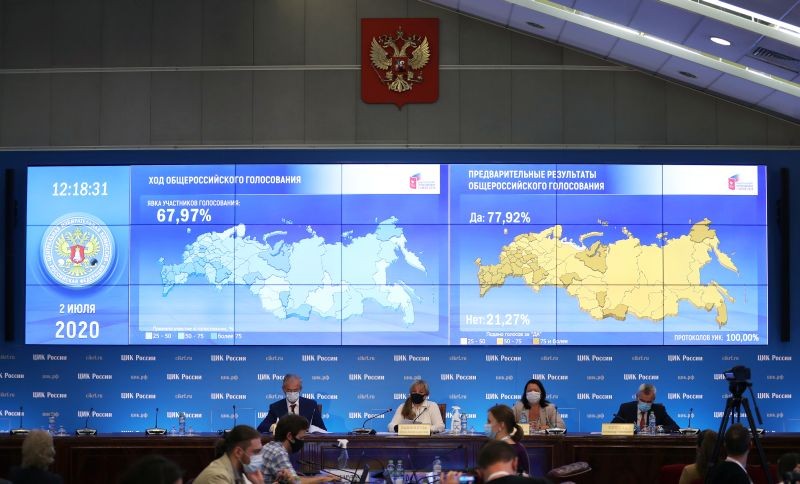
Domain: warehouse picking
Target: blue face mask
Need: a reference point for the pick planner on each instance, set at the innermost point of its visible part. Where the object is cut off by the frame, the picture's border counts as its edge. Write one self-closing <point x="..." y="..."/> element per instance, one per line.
<point x="487" y="430"/>
<point x="644" y="407"/>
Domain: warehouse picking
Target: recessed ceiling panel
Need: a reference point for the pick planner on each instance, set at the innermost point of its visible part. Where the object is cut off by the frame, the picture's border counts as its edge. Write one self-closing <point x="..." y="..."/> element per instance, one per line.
<point x="664" y="21"/>
<point x="782" y="103"/>
<point x="497" y="11"/>
<point x="741" y="89"/>
<point x="768" y="68"/>
<point x="742" y="41"/>
<point x="704" y="76"/>
<point x="587" y="39"/>
<point x="522" y="18"/>
<point x="637" y="55"/>
<point x="619" y="11"/>
<point x="793" y="14"/>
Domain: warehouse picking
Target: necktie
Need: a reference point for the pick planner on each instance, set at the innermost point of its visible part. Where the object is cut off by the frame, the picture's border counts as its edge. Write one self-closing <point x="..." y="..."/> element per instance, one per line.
<point x="643" y="421"/>
<point x="291" y="407"/>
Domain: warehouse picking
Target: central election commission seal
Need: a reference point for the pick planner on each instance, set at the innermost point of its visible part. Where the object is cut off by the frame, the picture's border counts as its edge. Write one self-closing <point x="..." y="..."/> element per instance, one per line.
<point x="78" y="250"/>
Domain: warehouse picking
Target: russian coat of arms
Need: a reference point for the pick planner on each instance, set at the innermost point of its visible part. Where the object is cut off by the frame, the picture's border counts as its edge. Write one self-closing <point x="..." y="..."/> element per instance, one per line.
<point x="402" y="68"/>
<point x="399" y="62"/>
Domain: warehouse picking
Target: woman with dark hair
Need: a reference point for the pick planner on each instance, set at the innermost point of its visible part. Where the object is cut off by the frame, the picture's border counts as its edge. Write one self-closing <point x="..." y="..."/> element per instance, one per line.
<point x="705" y="447"/>
<point x="534" y="408"/>
<point x="418" y="409"/>
<point x="500" y="425"/>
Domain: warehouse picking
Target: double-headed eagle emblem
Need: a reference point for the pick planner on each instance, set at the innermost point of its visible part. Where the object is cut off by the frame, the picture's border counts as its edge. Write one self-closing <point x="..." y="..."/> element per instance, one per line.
<point x="402" y="70"/>
<point x="78" y="248"/>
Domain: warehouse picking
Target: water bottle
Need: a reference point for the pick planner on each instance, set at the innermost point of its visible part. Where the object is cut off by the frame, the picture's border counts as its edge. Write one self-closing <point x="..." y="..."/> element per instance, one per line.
<point x="341" y="461"/>
<point x="181" y="423"/>
<point x="437" y="466"/>
<point x="523" y="421"/>
<point x="388" y="471"/>
<point x="651" y="424"/>
<point x="399" y="473"/>
<point x="463" y="422"/>
<point x="51" y="423"/>
<point x="455" y="420"/>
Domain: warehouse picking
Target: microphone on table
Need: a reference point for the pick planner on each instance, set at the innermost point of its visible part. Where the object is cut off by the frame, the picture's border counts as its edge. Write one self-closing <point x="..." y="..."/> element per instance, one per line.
<point x="86" y="430"/>
<point x="21" y="430"/>
<point x="365" y="431"/>
<point x="311" y="420"/>
<point x="419" y="415"/>
<point x="155" y="430"/>
<point x="226" y="431"/>
<point x="689" y="430"/>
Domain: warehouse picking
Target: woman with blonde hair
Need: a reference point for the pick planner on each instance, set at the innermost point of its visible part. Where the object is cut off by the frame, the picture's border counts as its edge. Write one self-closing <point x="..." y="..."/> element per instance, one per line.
<point x="418" y="409"/>
<point x="37" y="455"/>
<point x="705" y="447"/>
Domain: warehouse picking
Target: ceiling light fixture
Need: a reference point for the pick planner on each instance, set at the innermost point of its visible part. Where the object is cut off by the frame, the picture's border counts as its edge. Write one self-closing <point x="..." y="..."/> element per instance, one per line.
<point x="720" y="41"/>
<point x="741" y="18"/>
<point x="584" y="19"/>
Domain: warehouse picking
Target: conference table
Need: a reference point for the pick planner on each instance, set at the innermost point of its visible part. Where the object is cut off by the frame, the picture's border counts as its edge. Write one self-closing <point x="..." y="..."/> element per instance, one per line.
<point x="614" y="459"/>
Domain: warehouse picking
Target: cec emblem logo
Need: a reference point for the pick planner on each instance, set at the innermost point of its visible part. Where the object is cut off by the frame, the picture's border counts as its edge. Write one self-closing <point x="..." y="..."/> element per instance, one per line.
<point x="77" y="250"/>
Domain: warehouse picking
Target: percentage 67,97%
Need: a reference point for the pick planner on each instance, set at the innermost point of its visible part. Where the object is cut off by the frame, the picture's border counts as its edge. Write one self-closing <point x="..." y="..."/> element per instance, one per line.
<point x="183" y="215"/>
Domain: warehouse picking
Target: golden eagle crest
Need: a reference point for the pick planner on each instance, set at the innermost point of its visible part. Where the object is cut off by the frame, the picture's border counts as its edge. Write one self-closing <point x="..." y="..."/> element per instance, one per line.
<point x="403" y="70"/>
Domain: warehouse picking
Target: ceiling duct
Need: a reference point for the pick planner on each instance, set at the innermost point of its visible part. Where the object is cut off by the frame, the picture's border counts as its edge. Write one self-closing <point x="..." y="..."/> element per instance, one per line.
<point x="777" y="59"/>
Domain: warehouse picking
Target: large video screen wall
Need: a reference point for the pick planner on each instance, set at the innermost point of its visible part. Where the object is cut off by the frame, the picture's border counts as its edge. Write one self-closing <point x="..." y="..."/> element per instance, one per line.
<point x="397" y="254"/>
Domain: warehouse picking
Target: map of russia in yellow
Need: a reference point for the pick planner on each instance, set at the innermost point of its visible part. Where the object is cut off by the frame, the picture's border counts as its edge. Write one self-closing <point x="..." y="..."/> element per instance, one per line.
<point x="620" y="278"/>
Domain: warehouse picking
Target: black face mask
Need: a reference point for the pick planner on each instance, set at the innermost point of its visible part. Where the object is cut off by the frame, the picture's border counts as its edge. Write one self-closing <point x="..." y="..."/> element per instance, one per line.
<point x="417" y="398"/>
<point x="297" y="445"/>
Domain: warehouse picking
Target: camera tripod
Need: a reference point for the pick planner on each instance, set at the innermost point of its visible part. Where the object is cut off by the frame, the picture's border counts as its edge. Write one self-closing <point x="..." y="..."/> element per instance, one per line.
<point x="733" y="405"/>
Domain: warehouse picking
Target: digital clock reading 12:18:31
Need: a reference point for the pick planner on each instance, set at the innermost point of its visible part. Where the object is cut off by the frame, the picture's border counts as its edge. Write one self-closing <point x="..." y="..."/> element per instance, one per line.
<point x="80" y="189"/>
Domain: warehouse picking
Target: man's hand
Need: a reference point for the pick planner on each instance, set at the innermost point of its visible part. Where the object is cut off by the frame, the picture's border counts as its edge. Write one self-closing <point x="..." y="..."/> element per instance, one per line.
<point x="255" y="477"/>
<point x="450" y="477"/>
<point x="285" y="476"/>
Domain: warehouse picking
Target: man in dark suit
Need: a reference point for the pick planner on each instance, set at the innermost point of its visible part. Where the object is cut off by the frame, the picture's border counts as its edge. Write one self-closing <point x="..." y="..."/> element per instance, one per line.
<point x="732" y="470"/>
<point x="292" y="403"/>
<point x="639" y="410"/>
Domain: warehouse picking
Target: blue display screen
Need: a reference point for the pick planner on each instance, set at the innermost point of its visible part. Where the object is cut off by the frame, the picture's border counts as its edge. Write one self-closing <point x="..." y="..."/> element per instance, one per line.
<point x="397" y="254"/>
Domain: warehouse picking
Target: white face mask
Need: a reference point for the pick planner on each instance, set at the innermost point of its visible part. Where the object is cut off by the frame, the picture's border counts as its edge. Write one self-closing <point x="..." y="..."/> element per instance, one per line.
<point x="256" y="462"/>
<point x="292" y="397"/>
<point x="533" y="397"/>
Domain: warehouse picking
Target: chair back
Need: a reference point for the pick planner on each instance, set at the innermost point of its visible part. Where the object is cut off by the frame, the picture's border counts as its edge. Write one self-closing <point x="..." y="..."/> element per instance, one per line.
<point x="670" y="473"/>
<point x="443" y="411"/>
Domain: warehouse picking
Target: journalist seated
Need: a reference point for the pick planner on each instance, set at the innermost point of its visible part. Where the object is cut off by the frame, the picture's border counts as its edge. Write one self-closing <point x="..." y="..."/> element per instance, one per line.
<point x="239" y="461"/>
<point x="789" y="467"/>
<point x="706" y="440"/>
<point x="638" y="411"/>
<point x="418" y="409"/>
<point x="37" y="455"/>
<point x="288" y="438"/>
<point x="497" y="463"/>
<point x="733" y="470"/>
